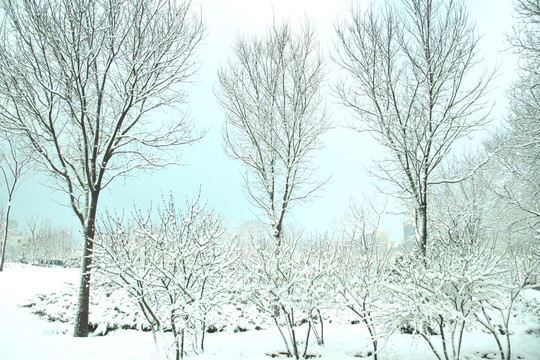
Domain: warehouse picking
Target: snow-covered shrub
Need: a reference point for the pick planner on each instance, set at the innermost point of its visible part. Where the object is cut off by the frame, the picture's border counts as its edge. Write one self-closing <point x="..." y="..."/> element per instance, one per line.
<point x="289" y="282"/>
<point x="108" y="311"/>
<point x="519" y="265"/>
<point x="176" y="268"/>
<point x="440" y="294"/>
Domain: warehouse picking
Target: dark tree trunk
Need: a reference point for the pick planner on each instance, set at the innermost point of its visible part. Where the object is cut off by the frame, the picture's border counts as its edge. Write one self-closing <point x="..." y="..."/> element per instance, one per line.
<point x="83" y="300"/>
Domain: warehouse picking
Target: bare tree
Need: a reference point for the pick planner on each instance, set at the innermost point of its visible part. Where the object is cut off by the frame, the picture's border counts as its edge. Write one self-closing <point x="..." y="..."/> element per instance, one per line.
<point x="78" y="79"/>
<point x="410" y="68"/>
<point x="467" y="219"/>
<point x="520" y="142"/>
<point x="12" y="167"/>
<point x="271" y="92"/>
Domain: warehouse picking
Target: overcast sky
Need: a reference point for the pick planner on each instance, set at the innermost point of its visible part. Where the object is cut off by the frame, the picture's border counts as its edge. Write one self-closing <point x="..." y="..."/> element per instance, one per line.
<point x="345" y="158"/>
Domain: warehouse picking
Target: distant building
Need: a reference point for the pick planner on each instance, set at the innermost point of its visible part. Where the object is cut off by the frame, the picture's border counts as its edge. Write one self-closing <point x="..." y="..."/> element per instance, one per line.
<point x="381" y="236"/>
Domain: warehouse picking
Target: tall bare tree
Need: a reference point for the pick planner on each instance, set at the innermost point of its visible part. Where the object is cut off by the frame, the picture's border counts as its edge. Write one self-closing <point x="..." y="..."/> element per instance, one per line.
<point x="275" y="116"/>
<point x="12" y="167"/>
<point x="79" y="79"/>
<point x="411" y="85"/>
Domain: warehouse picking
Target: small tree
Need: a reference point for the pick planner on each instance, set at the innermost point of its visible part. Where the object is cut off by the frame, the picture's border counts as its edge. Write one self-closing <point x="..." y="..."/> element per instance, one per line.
<point x="37" y="239"/>
<point x="412" y="86"/>
<point x="469" y="214"/>
<point x="519" y="264"/>
<point x="176" y="269"/>
<point x="290" y="283"/>
<point x="442" y="293"/>
<point x="271" y="93"/>
<point x="78" y="80"/>
<point x="362" y="268"/>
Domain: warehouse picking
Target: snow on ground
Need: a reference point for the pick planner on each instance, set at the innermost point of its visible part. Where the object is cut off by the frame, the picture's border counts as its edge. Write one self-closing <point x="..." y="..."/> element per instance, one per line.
<point x="26" y="336"/>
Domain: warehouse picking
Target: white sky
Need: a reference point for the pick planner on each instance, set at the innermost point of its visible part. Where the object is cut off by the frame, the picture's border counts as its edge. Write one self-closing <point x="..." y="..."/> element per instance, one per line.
<point x="345" y="158"/>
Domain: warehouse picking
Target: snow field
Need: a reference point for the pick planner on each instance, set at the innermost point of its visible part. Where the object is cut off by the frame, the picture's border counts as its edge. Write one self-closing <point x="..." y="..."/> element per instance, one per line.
<point x="24" y="335"/>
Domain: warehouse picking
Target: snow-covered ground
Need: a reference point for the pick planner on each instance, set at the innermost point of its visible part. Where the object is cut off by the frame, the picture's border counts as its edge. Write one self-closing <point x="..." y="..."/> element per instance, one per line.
<point x="24" y="335"/>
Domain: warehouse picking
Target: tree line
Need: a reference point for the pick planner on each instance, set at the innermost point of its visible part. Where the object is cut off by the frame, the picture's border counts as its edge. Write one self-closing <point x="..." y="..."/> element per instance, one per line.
<point x="38" y="242"/>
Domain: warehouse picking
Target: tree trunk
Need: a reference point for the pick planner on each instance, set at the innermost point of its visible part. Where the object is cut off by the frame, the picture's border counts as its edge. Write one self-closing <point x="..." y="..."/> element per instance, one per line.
<point x="203" y="333"/>
<point x="178" y="348"/>
<point x="421" y="229"/>
<point x="283" y="336"/>
<point x="373" y="336"/>
<point x="83" y="301"/>
<point x="307" y="340"/>
<point x="4" y="242"/>
<point x="290" y="318"/>
<point x="277" y="234"/>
